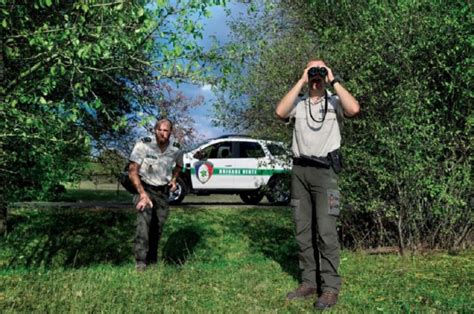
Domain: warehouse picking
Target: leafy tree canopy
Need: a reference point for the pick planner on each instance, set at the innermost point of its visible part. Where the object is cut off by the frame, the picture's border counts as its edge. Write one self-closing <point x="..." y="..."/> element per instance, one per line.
<point x="70" y="72"/>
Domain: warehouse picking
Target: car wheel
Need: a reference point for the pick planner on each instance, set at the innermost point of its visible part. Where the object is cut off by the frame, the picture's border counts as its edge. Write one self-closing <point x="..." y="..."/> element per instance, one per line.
<point x="178" y="195"/>
<point x="278" y="191"/>
<point x="252" y="198"/>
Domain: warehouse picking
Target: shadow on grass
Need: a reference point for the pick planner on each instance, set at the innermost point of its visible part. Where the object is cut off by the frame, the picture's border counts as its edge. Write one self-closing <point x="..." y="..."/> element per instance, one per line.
<point x="73" y="238"/>
<point x="78" y="238"/>
<point x="181" y="245"/>
<point x="68" y="238"/>
<point x="271" y="233"/>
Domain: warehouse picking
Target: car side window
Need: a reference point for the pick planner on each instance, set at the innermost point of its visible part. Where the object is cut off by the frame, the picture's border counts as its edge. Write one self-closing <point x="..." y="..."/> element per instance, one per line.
<point x="219" y="150"/>
<point x="250" y="150"/>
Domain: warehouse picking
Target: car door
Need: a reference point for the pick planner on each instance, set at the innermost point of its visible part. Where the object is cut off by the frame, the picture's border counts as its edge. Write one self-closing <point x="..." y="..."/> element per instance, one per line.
<point x="249" y="163"/>
<point x="212" y="167"/>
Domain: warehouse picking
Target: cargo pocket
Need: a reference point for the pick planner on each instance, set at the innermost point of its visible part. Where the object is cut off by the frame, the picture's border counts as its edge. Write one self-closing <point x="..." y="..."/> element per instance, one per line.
<point x="333" y="202"/>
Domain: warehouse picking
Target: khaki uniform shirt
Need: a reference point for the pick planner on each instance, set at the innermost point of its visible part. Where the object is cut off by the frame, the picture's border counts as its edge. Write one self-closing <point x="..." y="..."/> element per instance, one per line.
<point x="312" y="138"/>
<point x="156" y="167"/>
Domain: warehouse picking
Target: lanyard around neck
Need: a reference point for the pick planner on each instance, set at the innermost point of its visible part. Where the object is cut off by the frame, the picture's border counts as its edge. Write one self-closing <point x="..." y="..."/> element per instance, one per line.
<point x="325" y="108"/>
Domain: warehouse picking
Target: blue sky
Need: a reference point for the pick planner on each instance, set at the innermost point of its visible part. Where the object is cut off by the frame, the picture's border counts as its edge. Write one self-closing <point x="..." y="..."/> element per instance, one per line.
<point x="216" y="26"/>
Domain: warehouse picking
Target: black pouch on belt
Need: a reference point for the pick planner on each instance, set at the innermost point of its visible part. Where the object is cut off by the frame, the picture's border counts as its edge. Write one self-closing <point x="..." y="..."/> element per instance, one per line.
<point x="336" y="160"/>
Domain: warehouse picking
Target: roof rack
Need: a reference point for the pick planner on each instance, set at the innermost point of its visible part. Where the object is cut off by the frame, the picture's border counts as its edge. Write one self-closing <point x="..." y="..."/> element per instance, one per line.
<point x="233" y="135"/>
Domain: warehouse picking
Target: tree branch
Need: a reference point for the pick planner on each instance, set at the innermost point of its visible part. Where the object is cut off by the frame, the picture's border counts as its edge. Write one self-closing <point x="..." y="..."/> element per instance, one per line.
<point x="31" y="70"/>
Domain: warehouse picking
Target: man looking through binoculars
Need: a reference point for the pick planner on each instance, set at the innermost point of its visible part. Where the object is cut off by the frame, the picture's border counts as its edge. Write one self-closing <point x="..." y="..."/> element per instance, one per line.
<point x="314" y="189"/>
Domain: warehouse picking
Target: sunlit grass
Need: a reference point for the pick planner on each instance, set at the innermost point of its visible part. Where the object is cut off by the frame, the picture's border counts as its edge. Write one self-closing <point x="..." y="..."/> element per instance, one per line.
<point x="212" y="260"/>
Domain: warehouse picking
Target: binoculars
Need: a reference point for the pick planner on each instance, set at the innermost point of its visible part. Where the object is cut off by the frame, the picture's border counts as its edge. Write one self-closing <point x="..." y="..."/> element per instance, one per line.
<point x="317" y="71"/>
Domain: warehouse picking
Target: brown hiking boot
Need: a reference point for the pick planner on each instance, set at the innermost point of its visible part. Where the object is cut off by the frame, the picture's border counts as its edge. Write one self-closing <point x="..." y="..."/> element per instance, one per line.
<point x="326" y="300"/>
<point x="304" y="291"/>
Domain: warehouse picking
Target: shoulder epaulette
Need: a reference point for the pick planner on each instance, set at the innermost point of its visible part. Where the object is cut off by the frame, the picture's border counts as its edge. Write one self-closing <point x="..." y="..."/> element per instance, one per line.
<point x="146" y="139"/>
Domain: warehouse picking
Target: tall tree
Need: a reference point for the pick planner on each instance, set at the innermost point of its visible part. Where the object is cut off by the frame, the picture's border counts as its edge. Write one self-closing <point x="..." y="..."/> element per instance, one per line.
<point x="67" y="69"/>
<point x="409" y="63"/>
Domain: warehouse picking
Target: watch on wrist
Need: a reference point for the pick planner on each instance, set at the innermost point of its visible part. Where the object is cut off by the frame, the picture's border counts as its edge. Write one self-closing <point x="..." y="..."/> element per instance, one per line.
<point x="334" y="81"/>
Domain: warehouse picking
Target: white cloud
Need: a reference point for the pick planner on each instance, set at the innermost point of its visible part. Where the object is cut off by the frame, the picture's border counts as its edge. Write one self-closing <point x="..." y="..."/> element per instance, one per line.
<point x="206" y="88"/>
<point x="204" y="126"/>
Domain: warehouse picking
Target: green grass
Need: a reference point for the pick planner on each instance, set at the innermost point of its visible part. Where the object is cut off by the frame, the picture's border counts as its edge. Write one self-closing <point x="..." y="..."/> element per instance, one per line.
<point x="88" y="191"/>
<point x="212" y="260"/>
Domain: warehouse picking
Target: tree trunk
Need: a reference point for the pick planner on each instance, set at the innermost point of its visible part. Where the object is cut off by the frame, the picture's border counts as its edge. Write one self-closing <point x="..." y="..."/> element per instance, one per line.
<point x="378" y="219"/>
<point x="463" y="235"/>
<point x="3" y="218"/>
<point x="400" y="234"/>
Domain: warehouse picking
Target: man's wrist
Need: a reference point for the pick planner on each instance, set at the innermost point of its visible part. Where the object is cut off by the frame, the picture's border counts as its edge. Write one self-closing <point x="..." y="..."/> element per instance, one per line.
<point x="334" y="81"/>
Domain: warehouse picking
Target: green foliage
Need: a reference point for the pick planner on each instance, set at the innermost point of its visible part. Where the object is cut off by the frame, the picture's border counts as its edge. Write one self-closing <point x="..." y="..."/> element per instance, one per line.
<point x="409" y="150"/>
<point x="65" y="70"/>
<point x="70" y="72"/>
<point x="407" y="171"/>
<point x="110" y="163"/>
<point x="237" y="260"/>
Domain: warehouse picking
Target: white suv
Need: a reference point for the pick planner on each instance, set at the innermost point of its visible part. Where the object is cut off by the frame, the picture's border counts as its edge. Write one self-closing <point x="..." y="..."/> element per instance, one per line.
<point x="235" y="164"/>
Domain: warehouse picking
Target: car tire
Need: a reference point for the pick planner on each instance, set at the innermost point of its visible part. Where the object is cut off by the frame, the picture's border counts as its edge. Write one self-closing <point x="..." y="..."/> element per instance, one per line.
<point x="252" y="198"/>
<point x="278" y="191"/>
<point x="178" y="195"/>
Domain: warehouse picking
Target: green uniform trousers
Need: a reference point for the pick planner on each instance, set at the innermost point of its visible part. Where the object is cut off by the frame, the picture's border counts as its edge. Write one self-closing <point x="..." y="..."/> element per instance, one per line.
<point x="149" y="227"/>
<point x="315" y="203"/>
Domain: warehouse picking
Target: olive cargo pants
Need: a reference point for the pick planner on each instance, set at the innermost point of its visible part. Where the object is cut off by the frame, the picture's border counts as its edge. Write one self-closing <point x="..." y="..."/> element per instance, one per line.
<point x="315" y="203"/>
<point x="149" y="227"/>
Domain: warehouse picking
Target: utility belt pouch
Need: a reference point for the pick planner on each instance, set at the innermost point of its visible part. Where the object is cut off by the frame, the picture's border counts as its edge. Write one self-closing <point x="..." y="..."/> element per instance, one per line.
<point x="335" y="157"/>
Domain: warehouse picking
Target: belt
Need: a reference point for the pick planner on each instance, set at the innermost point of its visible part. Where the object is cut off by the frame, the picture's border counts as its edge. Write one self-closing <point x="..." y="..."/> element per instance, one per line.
<point x="156" y="188"/>
<point x="317" y="162"/>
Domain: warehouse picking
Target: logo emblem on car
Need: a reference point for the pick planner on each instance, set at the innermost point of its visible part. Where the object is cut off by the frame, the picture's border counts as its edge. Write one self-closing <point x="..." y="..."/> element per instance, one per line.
<point x="204" y="170"/>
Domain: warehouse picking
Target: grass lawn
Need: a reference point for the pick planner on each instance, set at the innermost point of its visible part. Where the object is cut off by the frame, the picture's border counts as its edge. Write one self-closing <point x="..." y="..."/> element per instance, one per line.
<point x="212" y="260"/>
<point x="88" y="191"/>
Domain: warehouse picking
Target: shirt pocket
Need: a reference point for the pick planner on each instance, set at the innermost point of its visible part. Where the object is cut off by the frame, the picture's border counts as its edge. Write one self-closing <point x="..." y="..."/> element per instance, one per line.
<point x="150" y="165"/>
